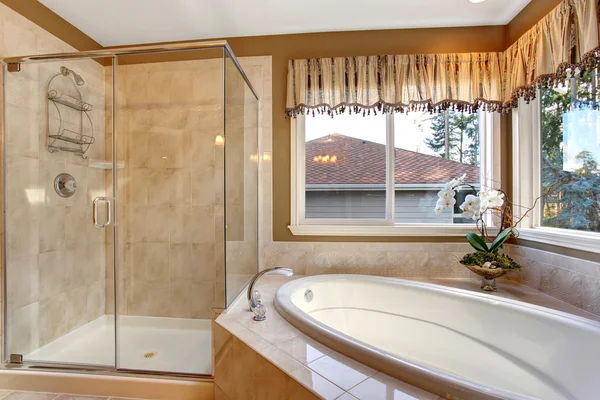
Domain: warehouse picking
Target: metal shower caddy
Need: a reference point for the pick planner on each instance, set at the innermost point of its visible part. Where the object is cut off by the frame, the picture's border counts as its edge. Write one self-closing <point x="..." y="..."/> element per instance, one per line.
<point x="69" y="140"/>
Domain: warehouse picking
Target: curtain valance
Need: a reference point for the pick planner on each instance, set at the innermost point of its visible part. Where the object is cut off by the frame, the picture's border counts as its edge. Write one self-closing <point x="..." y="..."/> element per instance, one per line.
<point x="395" y="83"/>
<point x="566" y="38"/>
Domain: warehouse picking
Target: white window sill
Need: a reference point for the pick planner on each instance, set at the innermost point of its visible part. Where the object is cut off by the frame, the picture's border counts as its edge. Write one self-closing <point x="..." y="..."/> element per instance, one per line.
<point x="586" y="241"/>
<point x="391" y="230"/>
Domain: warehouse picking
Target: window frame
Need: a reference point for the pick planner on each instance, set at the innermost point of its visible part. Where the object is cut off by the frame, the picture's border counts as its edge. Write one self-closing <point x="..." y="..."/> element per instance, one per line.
<point x="299" y="225"/>
<point x="527" y="163"/>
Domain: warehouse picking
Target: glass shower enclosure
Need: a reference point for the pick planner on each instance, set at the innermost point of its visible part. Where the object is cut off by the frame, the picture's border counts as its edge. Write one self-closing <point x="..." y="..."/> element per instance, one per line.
<point x="130" y="205"/>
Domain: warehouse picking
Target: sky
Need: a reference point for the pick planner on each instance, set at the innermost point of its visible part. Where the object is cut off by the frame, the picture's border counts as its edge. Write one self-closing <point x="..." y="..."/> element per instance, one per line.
<point x="410" y="129"/>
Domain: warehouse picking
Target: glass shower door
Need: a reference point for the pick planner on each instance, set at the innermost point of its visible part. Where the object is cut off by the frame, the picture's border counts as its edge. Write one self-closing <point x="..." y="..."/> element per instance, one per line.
<point x="59" y="213"/>
<point x="171" y="220"/>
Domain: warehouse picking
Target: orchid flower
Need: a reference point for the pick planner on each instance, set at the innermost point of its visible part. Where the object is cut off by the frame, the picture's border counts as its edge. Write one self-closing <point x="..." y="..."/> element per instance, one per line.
<point x="491" y="199"/>
<point x="471" y="208"/>
<point x="446" y="194"/>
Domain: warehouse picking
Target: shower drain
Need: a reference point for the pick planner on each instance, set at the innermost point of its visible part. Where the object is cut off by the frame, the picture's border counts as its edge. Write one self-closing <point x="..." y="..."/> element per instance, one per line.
<point x="150" y="354"/>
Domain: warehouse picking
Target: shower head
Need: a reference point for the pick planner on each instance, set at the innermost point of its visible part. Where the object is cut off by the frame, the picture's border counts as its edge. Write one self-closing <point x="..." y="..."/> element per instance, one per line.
<point x="78" y="79"/>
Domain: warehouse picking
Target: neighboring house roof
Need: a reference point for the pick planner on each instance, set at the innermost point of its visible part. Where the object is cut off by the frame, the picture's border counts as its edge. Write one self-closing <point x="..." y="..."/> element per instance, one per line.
<point x="362" y="162"/>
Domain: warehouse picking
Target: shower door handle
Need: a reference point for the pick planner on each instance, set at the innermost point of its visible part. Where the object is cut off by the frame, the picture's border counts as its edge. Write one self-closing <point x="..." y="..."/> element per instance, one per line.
<point x="95" y="211"/>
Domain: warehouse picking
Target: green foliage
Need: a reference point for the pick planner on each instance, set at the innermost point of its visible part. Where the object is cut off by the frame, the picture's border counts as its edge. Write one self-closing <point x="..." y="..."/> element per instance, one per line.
<point x="498" y="259"/>
<point x="463" y="137"/>
<point x="500" y="239"/>
<point x="477" y="242"/>
<point x="575" y="202"/>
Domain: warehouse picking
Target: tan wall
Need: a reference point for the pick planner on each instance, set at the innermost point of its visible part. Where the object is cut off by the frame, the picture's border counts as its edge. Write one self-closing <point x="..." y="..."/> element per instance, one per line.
<point x="54" y="256"/>
<point x="528" y="17"/>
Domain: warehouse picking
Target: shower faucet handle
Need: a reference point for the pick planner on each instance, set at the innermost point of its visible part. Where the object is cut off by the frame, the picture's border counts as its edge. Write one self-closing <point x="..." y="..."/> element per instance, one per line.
<point x="259" y="311"/>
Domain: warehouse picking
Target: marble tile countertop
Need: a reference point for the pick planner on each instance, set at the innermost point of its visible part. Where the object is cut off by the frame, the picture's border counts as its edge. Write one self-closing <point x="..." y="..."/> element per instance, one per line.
<point x="329" y="374"/>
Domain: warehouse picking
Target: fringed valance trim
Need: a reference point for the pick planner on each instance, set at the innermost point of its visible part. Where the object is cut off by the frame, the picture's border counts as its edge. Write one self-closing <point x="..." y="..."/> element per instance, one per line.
<point x="528" y="93"/>
<point x="382" y="107"/>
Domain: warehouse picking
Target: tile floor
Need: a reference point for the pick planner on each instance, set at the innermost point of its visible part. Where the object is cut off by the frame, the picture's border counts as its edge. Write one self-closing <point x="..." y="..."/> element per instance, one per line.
<point x="8" y="395"/>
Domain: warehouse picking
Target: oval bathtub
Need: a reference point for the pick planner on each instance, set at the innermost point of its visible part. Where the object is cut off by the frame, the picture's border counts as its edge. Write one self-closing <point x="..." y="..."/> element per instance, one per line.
<point x="449" y="341"/>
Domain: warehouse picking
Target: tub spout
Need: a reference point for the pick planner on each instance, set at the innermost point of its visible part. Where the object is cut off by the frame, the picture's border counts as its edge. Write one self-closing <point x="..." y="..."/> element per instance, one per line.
<point x="254" y="296"/>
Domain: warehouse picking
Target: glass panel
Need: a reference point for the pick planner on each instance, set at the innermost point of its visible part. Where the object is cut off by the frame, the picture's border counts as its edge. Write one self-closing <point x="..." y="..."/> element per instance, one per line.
<point x="241" y="182"/>
<point x="570" y="126"/>
<point x="430" y="151"/>
<point x="170" y="239"/>
<point x="345" y="166"/>
<point x="58" y="161"/>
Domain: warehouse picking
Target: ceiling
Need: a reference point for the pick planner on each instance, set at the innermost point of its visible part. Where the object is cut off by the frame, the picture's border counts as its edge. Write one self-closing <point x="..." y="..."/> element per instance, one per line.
<point x="119" y="22"/>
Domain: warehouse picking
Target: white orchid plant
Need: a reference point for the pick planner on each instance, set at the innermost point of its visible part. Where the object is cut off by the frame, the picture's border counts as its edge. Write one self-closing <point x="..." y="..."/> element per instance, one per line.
<point x="474" y="207"/>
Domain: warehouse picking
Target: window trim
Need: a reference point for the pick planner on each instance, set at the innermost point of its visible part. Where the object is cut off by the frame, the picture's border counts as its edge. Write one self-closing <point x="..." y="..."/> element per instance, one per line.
<point x="526" y="136"/>
<point x="300" y="226"/>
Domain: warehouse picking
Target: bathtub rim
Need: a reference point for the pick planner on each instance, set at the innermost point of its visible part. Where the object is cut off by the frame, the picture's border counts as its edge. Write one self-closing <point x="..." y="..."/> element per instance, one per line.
<point x="430" y="379"/>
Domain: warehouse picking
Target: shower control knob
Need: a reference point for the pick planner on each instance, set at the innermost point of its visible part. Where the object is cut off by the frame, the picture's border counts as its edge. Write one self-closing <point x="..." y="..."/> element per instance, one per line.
<point x="65" y="185"/>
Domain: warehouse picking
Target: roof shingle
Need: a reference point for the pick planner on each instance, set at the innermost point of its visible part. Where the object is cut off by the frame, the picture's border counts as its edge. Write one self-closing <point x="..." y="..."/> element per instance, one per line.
<point x="362" y="162"/>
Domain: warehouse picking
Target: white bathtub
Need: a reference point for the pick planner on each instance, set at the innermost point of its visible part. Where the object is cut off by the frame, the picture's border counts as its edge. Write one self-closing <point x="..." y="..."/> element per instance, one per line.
<point x="449" y="341"/>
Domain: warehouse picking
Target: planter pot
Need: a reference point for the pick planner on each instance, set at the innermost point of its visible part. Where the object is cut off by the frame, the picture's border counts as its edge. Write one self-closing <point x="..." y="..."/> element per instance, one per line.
<point x="488" y="276"/>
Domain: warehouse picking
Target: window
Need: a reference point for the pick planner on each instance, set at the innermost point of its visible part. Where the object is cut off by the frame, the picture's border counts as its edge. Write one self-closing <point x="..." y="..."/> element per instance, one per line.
<point x="383" y="171"/>
<point x="570" y="155"/>
<point x="556" y="142"/>
<point x="430" y="150"/>
<point x="345" y="174"/>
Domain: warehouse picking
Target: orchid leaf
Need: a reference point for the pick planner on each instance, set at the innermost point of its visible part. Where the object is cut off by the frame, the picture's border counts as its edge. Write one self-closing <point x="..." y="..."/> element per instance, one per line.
<point x="477" y="242"/>
<point x="500" y="239"/>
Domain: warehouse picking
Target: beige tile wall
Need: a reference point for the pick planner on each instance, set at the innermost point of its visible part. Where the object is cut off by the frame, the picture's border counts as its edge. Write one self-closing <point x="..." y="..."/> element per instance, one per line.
<point x="572" y="280"/>
<point x="55" y="258"/>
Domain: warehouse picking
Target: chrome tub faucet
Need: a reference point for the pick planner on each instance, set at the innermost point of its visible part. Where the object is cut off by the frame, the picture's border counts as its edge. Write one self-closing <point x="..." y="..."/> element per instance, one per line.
<point x="254" y="303"/>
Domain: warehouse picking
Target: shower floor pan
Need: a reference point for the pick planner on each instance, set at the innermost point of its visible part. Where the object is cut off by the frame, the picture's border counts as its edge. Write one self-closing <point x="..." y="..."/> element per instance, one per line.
<point x="175" y="345"/>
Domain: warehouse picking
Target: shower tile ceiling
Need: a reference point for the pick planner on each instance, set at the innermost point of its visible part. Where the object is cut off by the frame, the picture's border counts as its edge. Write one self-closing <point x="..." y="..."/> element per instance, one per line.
<point x="118" y="22"/>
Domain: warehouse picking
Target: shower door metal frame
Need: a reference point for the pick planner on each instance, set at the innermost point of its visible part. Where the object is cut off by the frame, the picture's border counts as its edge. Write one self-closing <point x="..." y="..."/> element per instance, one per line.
<point x="12" y="64"/>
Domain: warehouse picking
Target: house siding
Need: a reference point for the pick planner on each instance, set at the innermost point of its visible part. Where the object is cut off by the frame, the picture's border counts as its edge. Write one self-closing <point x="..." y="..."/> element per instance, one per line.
<point x="412" y="206"/>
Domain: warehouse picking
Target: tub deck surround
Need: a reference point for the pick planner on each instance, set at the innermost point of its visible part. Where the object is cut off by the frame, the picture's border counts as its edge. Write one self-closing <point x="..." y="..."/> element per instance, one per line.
<point x="325" y="373"/>
<point x="329" y="374"/>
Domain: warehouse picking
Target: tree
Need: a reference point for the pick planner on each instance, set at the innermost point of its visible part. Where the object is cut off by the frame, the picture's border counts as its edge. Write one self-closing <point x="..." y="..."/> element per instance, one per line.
<point x="463" y="137"/>
<point x="574" y="202"/>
